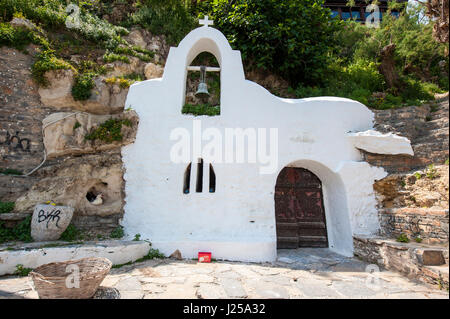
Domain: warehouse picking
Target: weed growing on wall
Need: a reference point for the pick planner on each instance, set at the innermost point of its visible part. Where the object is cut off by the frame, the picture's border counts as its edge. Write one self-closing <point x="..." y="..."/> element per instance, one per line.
<point x="21" y="232"/>
<point x="10" y="171"/>
<point x="71" y="234"/>
<point x="109" y="131"/>
<point x="6" y="207"/>
<point x="117" y="233"/>
<point x="46" y="61"/>
<point x="201" y="109"/>
<point x="84" y="83"/>
<point x="402" y="238"/>
<point x="22" y="271"/>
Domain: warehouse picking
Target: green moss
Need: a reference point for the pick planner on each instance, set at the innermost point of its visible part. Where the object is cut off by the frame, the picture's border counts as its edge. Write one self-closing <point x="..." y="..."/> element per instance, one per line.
<point x="6" y="207"/>
<point x="201" y="109"/>
<point x="109" y="131"/>
<point x="84" y="83"/>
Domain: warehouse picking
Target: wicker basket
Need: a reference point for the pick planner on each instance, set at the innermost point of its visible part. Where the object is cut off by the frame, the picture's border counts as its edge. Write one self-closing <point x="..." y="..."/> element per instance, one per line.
<point x="50" y="279"/>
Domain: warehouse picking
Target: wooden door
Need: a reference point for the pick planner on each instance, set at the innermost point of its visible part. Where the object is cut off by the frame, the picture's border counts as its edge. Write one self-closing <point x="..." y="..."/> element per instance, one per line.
<point x="300" y="215"/>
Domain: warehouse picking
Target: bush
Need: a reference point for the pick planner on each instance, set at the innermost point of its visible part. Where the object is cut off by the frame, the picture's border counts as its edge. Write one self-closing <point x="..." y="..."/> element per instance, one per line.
<point x="21" y="232"/>
<point x="47" y="12"/>
<point x="290" y="38"/>
<point x="170" y="18"/>
<point x="84" y="83"/>
<point x="402" y="238"/>
<point x="22" y="271"/>
<point x="109" y="131"/>
<point x="46" y="61"/>
<point x="14" y="37"/>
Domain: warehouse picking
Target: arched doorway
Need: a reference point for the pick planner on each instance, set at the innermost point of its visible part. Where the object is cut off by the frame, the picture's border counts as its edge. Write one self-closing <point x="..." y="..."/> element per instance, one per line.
<point x="299" y="209"/>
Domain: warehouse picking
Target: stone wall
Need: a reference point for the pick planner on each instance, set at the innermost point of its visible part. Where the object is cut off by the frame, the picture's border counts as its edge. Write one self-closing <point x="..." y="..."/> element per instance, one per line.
<point x="430" y="225"/>
<point x="21" y="115"/>
<point x="76" y="170"/>
<point x="425" y="126"/>
<point x="426" y="264"/>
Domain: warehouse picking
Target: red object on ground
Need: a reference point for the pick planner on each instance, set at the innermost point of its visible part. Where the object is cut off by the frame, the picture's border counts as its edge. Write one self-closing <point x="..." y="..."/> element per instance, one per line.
<point x="204" y="257"/>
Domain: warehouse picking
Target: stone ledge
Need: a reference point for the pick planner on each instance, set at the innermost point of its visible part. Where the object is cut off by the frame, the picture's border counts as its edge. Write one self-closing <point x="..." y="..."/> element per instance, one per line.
<point x="33" y="255"/>
<point x="415" y="260"/>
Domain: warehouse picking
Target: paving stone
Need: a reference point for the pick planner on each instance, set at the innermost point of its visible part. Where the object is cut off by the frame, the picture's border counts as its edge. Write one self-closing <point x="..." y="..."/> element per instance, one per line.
<point x="267" y="290"/>
<point x="286" y="260"/>
<point x="211" y="291"/>
<point x="163" y="280"/>
<point x="200" y="278"/>
<point x="131" y="294"/>
<point x="110" y="281"/>
<point x="317" y="289"/>
<point x="353" y="289"/>
<point x="153" y="288"/>
<point x="177" y="291"/>
<point x="129" y="284"/>
<point x="268" y="270"/>
<point x="244" y="280"/>
<point x="277" y="279"/>
<point x="229" y="274"/>
<point x="233" y="288"/>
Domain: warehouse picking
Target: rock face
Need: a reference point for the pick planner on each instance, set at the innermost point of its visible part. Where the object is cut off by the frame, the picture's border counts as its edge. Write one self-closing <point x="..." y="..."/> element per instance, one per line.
<point x="49" y="222"/>
<point x="65" y="134"/>
<point x="153" y="71"/>
<point x="118" y="68"/>
<point x="425" y="126"/>
<point x="76" y="182"/>
<point x="146" y="40"/>
<point x="104" y="99"/>
<point x="428" y="188"/>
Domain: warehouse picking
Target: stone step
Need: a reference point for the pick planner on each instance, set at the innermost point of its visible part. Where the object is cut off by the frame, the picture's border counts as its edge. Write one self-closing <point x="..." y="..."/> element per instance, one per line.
<point x="410" y="259"/>
<point x="33" y="255"/>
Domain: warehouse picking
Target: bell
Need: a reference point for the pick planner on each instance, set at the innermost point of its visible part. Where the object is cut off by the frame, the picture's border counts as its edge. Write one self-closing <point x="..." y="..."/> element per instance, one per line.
<point x="202" y="90"/>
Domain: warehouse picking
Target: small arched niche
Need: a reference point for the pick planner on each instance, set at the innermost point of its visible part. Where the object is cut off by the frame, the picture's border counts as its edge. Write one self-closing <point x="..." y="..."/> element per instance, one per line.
<point x="202" y="104"/>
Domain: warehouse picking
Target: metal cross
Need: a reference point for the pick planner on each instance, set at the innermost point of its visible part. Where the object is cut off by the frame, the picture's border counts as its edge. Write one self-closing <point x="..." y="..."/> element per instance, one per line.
<point x="206" y="22"/>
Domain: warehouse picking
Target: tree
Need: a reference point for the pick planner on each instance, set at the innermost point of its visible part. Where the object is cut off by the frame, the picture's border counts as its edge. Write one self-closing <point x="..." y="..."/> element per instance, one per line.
<point x="291" y="38"/>
<point x="438" y="11"/>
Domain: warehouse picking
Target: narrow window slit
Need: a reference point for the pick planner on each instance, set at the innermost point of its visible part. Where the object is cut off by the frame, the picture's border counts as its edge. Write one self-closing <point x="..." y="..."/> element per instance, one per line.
<point x="187" y="179"/>
<point x="212" y="179"/>
<point x="199" y="185"/>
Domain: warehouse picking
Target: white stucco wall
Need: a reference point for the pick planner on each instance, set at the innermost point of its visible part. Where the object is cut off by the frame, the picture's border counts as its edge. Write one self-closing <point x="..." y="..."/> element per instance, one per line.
<point x="237" y="222"/>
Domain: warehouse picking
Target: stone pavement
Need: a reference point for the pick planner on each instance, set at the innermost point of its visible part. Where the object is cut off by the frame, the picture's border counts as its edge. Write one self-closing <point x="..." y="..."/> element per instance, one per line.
<point x="301" y="273"/>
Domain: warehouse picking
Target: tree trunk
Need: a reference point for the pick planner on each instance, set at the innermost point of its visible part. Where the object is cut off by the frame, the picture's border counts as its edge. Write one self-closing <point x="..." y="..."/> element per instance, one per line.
<point x="387" y="67"/>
